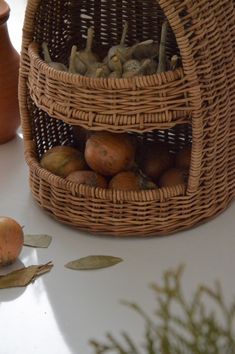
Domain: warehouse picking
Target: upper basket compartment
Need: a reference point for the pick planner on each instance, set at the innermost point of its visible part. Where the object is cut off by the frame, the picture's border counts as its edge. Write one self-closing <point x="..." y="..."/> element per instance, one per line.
<point x="136" y="104"/>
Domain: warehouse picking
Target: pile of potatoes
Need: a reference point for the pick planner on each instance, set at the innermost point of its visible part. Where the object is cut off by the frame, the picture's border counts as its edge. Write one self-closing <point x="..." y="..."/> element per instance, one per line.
<point x="118" y="161"/>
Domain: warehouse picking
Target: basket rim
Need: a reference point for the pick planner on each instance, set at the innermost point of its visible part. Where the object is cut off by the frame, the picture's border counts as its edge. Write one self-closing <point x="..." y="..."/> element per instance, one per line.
<point x="158" y="79"/>
<point x="115" y="196"/>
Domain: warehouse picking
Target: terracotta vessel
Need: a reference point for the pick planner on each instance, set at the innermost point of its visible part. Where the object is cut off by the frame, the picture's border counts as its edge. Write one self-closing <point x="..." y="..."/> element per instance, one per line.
<point x="9" y="70"/>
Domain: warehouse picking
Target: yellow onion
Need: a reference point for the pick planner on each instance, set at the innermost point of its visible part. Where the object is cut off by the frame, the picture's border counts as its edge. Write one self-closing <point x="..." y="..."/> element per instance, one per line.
<point x="11" y="240"/>
<point x="62" y="160"/>
<point x="109" y="153"/>
<point x="155" y="159"/>
<point x="183" y="158"/>
<point x="89" y="178"/>
<point x="129" y="180"/>
<point x="173" y="177"/>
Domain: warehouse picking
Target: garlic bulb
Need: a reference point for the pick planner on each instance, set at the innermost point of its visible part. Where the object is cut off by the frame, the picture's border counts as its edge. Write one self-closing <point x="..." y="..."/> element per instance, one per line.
<point x="48" y="60"/>
<point x="162" y="50"/>
<point x="127" y="52"/>
<point x="174" y="62"/>
<point x="85" y="57"/>
<point x="72" y="67"/>
<point x="146" y="51"/>
<point x="131" y="65"/>
<point x="116" y="74"/>
<point x="121" y="46"/>
<point x="141" y="71"/>
<point x="97" y="69"/>
<point x="151" y="66"/>
<point x="79" y="66"/>
<point x="115" y="64"/>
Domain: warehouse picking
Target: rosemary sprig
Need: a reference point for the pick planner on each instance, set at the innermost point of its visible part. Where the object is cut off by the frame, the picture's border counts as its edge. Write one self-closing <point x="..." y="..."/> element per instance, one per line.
<point x="193" y="329"/>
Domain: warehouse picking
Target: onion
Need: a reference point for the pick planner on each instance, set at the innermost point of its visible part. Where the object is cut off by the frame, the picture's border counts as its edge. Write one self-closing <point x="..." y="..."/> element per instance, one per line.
<point x="62" y="160"/>
<point x="173" y="177"/>
<point x="155" y="160"/>
<point x="109" y="153"/>
<point x="89" y="178"/>
<point x="11" y="240"/>
<point x="183" y="158"/>
<point x="129" y="180"/>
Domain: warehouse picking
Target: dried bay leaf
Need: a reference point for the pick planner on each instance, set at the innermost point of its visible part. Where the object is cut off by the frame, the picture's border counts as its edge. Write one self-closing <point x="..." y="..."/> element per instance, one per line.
<point x="39" y="241"/>
<point x="19" y="277"/>
<point x="93" y="262"/>
<point x="23" y="276"/>
<point x="44" y="268"/>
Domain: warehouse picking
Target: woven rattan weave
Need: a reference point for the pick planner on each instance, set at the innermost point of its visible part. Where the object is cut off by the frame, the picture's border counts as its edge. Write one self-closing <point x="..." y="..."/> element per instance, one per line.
<point x="195" y="103"/>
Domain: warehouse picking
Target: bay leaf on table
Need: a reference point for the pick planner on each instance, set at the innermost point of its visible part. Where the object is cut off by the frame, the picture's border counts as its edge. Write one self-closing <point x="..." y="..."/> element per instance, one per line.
<point x="23" y="276"/>
<point x="39" y="241"/>
<point x="93" y="262"/>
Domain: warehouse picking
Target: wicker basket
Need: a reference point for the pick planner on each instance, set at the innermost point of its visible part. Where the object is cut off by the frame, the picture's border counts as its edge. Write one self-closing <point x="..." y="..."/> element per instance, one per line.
<point x="195" y="103"/>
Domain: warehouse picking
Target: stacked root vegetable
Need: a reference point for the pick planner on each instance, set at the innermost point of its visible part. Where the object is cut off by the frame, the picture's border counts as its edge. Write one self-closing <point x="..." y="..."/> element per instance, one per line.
<point x="119" y="161"/>
<point x="121" y="61"/>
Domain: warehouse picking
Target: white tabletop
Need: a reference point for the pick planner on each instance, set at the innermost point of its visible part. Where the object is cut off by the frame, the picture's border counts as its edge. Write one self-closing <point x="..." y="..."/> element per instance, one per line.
<point x="63" y="309"/>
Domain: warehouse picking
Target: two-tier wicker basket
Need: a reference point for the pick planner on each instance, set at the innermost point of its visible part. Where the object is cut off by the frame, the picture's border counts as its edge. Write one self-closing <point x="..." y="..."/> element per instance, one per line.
<point x="193" y="104"/>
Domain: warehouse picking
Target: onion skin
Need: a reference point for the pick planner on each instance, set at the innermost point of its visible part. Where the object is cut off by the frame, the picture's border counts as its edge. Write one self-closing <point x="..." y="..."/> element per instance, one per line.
<point x="89" y="178"/>
<point x="129" y="180"/>
<point x="183" y="158"/>
<point x="155" y="160"/>
<point x="62" y="160"/>
<point x="109" y="153"/>
<point x="173" y="177"/>
<point x="11" y="240"/>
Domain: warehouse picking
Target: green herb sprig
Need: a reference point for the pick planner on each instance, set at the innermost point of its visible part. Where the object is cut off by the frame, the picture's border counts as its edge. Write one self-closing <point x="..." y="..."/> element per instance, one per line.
<point x="179" y="326"/>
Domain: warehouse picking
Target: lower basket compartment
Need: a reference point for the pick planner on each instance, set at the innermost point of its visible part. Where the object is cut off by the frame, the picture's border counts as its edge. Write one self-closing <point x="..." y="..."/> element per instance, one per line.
<point x="105" y="211"/>
<point x="152" y="213"/>
<point x="144" y="214"/>
<point x="112" y="212"/>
